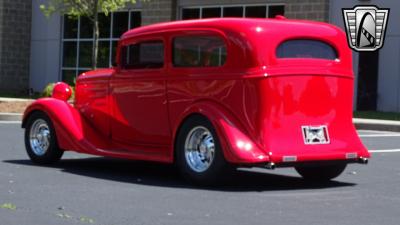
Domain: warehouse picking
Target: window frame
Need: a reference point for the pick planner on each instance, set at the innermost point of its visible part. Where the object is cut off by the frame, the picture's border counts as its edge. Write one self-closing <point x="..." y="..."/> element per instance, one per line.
<point x="197" y="34"/>
<point x="134" y="41"/>
<point x="198" y="71"/>
<point x="333" y="47"/>
<point x="222" y="6"/>
<point x="110" y="39"/>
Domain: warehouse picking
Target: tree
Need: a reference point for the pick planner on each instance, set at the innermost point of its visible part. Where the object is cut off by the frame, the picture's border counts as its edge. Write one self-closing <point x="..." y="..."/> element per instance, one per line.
<point x="87" y="8"/>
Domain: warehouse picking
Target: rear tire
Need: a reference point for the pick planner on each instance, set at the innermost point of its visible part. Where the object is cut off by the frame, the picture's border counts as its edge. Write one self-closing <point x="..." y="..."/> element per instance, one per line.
<point x="40" y="139"/>
<point x="199" y="154"/>
<point x="321" y="173"/>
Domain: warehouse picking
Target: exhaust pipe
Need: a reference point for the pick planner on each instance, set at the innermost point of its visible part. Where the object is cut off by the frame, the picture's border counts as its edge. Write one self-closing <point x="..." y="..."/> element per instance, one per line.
<point x="270" y="166"/>
<point x="363" y="160"/>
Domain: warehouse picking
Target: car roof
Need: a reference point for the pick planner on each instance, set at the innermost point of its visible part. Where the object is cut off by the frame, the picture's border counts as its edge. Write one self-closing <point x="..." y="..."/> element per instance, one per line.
<point x="280" y="24"/>
<point x="254" y="41"/>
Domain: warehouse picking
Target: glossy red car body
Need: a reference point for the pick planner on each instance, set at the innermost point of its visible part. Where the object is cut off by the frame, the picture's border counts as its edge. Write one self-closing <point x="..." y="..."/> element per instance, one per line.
<point x="257" y="102"/>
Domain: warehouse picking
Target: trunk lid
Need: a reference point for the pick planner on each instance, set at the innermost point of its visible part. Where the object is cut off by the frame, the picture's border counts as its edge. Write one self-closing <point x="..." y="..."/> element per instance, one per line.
<point x="299" y="110"/>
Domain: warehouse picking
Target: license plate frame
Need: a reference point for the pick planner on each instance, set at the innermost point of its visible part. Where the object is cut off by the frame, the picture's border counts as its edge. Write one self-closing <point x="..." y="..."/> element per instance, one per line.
<point x="315" y="135"/>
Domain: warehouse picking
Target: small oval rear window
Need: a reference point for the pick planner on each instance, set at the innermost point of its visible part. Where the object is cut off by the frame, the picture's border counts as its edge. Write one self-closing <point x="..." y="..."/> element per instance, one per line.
<point x="306" y="49"/>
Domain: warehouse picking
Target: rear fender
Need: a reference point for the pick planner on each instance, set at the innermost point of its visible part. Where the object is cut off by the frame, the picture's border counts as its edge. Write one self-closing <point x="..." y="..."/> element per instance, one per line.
<point x="237" y="146"/>
<point x="71" y="129"/>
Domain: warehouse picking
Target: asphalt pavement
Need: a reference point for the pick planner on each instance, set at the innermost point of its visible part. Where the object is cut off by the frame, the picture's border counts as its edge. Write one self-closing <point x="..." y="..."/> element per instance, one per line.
<point x="83" y="189"/>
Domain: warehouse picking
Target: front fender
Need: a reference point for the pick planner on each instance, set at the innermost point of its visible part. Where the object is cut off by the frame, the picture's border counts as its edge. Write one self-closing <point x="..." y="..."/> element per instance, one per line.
<point x="237" y="145"/>
<point x="71" y="130"/>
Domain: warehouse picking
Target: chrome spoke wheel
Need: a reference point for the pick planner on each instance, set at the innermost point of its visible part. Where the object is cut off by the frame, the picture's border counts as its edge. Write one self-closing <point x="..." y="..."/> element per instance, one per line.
<point x="199" y="149"/>
<point x="39" y="137"/>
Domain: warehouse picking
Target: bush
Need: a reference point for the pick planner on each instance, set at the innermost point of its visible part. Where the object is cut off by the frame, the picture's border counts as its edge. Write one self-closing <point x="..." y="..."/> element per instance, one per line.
<point x="48" y="90"/>
<point x="72" y="94"/>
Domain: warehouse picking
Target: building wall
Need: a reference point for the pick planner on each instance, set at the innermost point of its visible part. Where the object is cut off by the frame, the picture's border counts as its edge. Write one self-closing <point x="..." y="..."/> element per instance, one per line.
<point x="158" y="11"/>
<point x="46" y="39"/>
<point x="15" y="35"/>
<point x="389" y="60"/>
<point x="294" y="9"/>
<point x="1" y="40"/>
<point x="45" y="48"/>
<point x="46" y="54"/>
<point x="46" y="44"/>
<point x="389" y="56"/>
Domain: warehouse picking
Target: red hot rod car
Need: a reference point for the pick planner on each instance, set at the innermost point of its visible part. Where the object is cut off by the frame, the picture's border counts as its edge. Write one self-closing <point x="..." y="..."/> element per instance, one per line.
<point x="210" y="95"/>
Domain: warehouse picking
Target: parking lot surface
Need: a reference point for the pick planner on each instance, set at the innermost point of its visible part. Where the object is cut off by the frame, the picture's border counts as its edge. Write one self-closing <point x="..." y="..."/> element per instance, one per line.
<point x="83" y="189"/>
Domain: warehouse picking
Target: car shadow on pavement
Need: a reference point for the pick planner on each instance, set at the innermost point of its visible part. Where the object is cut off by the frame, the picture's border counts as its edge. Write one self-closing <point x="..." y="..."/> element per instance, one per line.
<point x="164" y="175"/>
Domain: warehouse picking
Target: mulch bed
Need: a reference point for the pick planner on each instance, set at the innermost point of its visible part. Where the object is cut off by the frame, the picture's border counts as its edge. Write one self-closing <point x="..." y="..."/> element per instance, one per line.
<point x="13" y="107"/>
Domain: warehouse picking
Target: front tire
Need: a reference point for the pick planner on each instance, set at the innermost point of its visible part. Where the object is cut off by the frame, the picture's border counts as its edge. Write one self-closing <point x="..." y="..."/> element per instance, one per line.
<point x="321" y="173"/>
<point x="40" y="139"/>
<point x="199" y="154"/>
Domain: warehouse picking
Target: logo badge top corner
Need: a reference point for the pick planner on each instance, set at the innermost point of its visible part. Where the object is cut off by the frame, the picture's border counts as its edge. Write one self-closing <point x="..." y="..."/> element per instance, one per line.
<point x="365" y="27"/>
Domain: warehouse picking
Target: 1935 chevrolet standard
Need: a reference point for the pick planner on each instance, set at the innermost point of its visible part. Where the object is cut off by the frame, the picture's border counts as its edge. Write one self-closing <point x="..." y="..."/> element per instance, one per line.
<point x="211" y="95"/>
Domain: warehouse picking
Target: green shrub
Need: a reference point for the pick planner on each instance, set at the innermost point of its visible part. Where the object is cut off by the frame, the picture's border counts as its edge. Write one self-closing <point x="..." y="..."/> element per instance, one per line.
<point x="48" y="90"/>
<point x="72" y="94"/>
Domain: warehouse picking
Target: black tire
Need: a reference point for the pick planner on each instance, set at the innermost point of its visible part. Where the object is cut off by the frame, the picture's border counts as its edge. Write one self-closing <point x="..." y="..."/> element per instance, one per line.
<point x="50" y="154"/>
<point x="321" y="173"/>
<point x="218" y="170"/>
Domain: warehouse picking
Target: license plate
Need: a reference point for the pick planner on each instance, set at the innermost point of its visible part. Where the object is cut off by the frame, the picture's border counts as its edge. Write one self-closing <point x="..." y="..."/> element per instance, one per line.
<point x="315" y="135"/>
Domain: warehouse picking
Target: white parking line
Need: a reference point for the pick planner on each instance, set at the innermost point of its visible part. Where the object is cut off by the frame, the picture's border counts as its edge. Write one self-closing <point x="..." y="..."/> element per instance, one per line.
<point x="376" y="131"/>
<point x="380" y="135"/>
<point x="384" y="151"/>
<point x="10" y="122"/>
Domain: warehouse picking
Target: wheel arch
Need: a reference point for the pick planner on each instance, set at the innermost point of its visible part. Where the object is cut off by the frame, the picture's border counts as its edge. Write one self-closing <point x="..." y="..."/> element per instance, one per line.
<point x="28" y="115"/>
<point x="44" y="149"/>
<point x="66" y="120"/>
<point x="229" y="131"/>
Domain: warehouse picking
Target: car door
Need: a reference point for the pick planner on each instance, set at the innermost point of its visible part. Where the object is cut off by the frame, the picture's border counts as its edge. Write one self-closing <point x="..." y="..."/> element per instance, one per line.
<point x="139" y="94"/>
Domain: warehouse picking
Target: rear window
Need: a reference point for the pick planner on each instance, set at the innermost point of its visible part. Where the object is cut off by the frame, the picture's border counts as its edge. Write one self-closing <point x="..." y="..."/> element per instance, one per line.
<point x="199" y="51"/>
<point x="306" y="49"/>
<point x="145" y="55"/>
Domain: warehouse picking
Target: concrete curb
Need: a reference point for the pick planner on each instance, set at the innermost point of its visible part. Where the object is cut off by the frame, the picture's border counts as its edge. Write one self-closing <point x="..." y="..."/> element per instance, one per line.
<point x="16" y="100"/>
<point x="10" y="116"/>
<point x="382" y="125"/>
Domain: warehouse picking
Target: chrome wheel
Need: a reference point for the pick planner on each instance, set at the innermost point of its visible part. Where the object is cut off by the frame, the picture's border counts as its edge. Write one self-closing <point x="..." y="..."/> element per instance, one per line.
<point x="199" y="149"/>
<point x="39" y="137"/>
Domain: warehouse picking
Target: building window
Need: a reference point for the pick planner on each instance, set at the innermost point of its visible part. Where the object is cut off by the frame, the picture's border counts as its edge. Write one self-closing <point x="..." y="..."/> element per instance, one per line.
<point x="249" y="11"/>
<point x="211" y="12"/>
<point x="235" y="11"/>
<point x="77" y="41"/>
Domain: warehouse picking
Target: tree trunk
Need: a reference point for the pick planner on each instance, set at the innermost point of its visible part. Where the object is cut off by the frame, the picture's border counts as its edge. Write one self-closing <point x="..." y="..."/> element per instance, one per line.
<point x="95" y="49"/>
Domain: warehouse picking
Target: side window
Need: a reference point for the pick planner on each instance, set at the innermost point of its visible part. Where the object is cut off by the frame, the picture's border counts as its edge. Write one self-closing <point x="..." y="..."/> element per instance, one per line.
<point x="144" y="55"/>
<point x="199" y="51"/>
